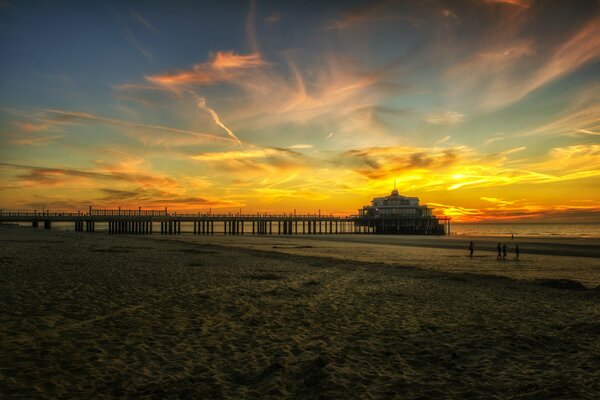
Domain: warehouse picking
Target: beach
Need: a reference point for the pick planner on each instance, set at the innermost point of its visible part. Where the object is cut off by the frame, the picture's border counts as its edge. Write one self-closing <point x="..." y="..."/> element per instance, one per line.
<point x="93" y="315"/>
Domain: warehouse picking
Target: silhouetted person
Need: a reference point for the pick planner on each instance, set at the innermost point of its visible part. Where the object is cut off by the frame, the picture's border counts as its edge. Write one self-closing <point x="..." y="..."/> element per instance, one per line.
<point x="499" y="256"/>
<point x="471" y="248"/>
<point x="517" y="252"/>
<point x="512" y="237"/>
<point x="504" y="251"/>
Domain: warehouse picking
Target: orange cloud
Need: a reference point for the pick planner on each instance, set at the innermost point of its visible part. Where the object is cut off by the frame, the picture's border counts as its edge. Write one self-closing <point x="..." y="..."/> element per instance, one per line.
<point x="518" y="3"/>
<point x="29" y="127"/>
<point x="519" y="210"/>
<point x="229" y="59"/>
<point x="223" y="67"/>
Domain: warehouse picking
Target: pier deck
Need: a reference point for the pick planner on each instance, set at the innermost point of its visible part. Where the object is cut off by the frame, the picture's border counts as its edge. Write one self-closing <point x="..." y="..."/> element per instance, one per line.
<point x="166" y="223"/>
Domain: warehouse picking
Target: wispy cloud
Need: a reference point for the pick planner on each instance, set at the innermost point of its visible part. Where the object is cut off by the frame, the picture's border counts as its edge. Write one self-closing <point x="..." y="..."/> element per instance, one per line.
<point x="215" y="117"/>
<point x="143" y="21"/>
<point x="502" y="56"/>
<point x="445" y="118"/>
<point x="36" y="141"/>
<point x="78" y="117"/>
<point x="442" y="140"/>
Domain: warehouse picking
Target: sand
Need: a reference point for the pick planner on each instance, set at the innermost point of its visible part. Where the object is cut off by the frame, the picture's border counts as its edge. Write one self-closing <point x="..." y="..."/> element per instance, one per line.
<point x="91" y="315"/>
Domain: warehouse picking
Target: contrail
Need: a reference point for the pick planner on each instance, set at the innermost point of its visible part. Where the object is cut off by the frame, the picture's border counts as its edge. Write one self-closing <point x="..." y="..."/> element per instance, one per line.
<point x="217" y="120"/>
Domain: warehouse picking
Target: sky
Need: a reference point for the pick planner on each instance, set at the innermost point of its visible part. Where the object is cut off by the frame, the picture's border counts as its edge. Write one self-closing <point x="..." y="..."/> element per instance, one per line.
<point x="487" y="110"/>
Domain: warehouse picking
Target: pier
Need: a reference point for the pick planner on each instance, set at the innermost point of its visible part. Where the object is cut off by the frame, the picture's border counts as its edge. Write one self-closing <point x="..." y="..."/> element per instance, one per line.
<point x="148" y="222"/>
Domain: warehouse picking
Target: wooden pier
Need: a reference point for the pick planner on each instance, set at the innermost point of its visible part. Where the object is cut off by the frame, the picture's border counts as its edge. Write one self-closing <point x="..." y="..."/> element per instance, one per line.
<point x="148" y="222"/>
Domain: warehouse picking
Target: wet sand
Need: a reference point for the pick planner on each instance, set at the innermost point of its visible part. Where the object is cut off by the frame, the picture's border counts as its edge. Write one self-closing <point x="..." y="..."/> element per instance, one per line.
<point x="92" y="315"/>
<point x="577" y="260"/>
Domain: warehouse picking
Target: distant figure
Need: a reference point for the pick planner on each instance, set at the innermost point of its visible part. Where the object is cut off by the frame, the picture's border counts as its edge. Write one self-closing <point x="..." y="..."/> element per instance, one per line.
<point x="512" y="236"/>
<point x="504" y="251"/>
<point x="517" y="252"/>
<point x="471" y="248"/>
<point x="499" y="247"/>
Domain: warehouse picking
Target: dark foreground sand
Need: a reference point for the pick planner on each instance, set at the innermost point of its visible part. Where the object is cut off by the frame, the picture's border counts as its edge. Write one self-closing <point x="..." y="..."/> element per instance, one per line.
<point x="93" y="316"/>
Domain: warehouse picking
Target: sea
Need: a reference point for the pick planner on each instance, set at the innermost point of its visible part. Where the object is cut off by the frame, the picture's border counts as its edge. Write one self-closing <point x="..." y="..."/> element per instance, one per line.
<point x="574" y="230"/>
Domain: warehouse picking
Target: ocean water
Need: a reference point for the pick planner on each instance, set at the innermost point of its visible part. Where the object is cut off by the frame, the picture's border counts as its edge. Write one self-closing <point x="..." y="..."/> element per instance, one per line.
<point x="579" y="230"/>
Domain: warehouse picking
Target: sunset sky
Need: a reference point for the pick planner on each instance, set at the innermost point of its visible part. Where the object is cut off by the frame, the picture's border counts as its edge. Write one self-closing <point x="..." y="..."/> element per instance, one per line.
<point x="484" y="109"/>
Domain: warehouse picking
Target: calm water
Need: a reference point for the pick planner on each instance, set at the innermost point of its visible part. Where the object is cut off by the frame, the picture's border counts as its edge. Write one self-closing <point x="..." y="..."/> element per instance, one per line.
<point x="587" y="230"/>
<point x="590" y="230"/>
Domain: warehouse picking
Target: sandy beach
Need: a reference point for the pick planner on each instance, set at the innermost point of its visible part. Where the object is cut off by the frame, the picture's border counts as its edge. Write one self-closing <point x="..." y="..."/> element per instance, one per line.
<point x="93" y="315"/>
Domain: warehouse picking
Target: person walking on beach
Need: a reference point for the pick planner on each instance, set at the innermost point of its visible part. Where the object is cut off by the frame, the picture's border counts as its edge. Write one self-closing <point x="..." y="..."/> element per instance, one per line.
<point x="499" y="256"/>
<point x="504" y="251"/>
<point x="471" y="248"/>
<point x="517" y="252"/>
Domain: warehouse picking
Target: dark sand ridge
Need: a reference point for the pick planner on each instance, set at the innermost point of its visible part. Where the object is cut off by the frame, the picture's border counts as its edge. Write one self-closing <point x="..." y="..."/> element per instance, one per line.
<point x="101" y="316"/>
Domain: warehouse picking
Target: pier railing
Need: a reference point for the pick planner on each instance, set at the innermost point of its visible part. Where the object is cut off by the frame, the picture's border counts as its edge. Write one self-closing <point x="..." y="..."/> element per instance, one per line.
<point x="142" y="221"/>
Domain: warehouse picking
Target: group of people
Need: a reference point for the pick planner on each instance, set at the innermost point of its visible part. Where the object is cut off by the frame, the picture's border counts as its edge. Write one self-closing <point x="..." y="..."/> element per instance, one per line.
<point x="502" y="251"/>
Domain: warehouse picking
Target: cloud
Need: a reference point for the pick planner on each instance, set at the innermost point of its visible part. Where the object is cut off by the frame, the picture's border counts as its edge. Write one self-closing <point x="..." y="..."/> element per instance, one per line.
<point x="37" y="141"/>
<point x="225" y="66"/>
<point x="273" y="18"/>
<point x="229" y="60"/>
<point x="158" y="198"/>
<point x="373" y="12"/>
<point x="518" y="3"/>
<point x="215" y="117"/>
<point x="445" y="118"/>
<point x="143" y="21"/>
<point x="60" y="116"/>
<point x="388" y="162"/>
<point x="301" y="146"/>
<point x="512" y="66"/>
<point x="442" y="140"/>
<point x="234" y="155"/>
<point x="29" y="127"/>
<point x="251" y="28"/>
<point x="135" y="43"/>
<point x="497" y="201"/>
<point x="571" y="161"/>
<point x="581" y="48"/>
<point x="125" y="172"/>
<point x="586" y="132"/>
<point x="519" y="210"/>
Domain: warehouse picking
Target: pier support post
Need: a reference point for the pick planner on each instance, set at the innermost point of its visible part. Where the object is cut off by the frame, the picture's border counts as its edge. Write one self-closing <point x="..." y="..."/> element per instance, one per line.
<point x="47" y="224"/>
